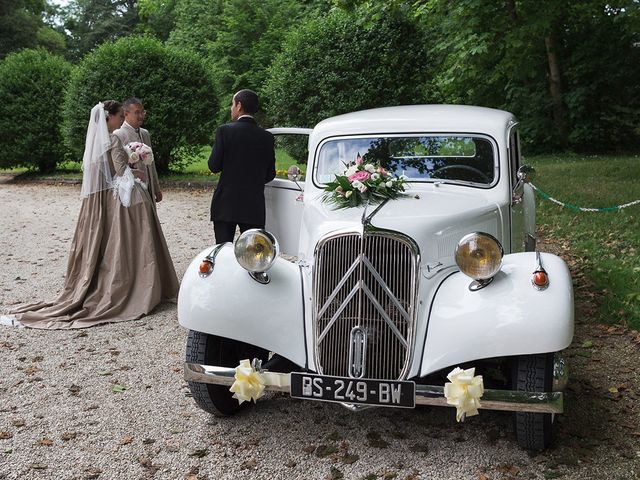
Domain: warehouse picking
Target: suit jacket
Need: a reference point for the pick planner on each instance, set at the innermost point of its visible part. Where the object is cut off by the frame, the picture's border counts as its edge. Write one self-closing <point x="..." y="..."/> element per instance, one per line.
<point x="245" y="155"/>
<point x="128" y="134"/>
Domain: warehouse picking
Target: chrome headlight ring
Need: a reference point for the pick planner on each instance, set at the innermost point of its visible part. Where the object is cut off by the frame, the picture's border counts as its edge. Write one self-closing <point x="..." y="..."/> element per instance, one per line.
<point x="479" y="256"/>
<point x="256" y="250"/>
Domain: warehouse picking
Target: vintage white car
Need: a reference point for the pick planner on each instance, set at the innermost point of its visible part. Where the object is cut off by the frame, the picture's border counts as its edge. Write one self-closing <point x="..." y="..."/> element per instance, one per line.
<point x="376" y="304"/>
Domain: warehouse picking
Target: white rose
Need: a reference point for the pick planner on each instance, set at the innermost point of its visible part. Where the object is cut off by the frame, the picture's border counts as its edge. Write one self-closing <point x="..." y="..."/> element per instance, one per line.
<point x="389" y="184"/>
<point x="133" y="158"/>
<point x="356" y="184"/>
<point x="351" y="170"/>
<point x="375" y="176"/>
<point x="348" y="194"/>
<point x="362" y="188"/>
<point x="369" y="168"/>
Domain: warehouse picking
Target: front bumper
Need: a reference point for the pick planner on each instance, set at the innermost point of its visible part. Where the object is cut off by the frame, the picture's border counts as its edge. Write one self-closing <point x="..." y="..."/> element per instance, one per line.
<point x="509" y="400"/>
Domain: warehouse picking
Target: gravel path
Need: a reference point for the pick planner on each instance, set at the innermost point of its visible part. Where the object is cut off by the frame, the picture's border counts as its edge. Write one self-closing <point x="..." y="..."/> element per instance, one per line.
<point x="109" y="402"/>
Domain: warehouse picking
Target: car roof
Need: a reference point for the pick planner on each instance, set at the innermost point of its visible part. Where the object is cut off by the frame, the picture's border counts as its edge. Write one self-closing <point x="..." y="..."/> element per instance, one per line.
<point x="418" y="119"/>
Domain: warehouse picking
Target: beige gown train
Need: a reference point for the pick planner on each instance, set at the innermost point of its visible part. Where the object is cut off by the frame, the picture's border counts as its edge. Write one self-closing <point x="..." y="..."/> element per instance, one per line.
<point x="119" y="266"/>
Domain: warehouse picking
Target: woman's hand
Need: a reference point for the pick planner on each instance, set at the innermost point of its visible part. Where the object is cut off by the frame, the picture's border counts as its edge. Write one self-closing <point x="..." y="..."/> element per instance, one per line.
<point x="141" y="174"/>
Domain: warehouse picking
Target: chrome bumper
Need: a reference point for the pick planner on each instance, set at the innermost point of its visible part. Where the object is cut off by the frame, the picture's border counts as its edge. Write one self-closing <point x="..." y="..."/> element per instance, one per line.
<point x="509" y="400"/>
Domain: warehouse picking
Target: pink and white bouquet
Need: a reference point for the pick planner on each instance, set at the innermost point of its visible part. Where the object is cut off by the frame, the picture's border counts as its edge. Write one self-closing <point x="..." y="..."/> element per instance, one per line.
<point x="363" y="183"/>
<point x="138" y="151"/>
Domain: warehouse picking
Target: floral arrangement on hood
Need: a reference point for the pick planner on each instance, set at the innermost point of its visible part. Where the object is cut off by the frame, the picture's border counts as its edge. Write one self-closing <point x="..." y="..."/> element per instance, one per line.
<point x="139" y="151"/>
<point x="363" y="183"/>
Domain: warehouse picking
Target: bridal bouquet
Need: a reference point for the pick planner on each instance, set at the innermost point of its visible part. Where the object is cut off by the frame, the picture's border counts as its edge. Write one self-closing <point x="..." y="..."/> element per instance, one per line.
<point x="139" y="151"/>
<point x="363" y="183"/>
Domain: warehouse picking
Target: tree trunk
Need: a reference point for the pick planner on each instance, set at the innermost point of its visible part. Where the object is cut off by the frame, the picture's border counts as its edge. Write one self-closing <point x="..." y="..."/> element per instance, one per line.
<point x="555" y="88"/>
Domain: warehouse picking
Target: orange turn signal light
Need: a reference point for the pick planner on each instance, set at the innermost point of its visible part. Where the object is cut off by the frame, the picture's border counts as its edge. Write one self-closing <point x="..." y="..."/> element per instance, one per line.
<point x="540" y="279"/>
<point x="205" y="267"/>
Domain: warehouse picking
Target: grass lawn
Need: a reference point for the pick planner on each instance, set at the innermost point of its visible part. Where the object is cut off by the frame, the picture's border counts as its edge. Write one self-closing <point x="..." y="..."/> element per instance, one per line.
<point x="607" y="244"/>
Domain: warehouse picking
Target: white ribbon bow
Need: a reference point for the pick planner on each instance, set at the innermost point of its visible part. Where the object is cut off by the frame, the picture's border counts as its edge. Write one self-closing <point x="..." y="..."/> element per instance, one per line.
<point x="249" y="384"/>
<point x="464" y="391"/>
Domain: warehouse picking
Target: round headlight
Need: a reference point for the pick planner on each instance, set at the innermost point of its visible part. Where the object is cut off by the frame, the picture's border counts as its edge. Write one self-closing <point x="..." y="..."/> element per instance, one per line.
<point x="479" y="255"/>
<point x="256" y="250"/>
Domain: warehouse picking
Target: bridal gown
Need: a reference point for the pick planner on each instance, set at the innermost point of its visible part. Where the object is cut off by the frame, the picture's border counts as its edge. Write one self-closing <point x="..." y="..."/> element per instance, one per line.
<point x="119" y="267"/>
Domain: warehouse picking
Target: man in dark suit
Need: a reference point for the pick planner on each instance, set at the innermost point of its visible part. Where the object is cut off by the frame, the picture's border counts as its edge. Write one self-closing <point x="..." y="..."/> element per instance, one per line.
<point x="244" y="154"/>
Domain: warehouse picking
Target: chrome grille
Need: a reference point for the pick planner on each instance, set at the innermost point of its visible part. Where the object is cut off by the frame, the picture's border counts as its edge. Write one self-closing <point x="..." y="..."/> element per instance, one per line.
<point x="365" y="283"/>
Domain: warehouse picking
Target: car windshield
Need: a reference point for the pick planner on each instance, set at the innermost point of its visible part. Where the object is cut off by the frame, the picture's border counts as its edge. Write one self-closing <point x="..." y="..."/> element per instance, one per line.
<point x="421" y="158"/>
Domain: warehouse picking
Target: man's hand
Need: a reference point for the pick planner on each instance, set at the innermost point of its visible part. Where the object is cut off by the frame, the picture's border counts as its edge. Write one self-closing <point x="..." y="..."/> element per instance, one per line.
<point x="158" y="196"/>
<point x="141" y="174"/>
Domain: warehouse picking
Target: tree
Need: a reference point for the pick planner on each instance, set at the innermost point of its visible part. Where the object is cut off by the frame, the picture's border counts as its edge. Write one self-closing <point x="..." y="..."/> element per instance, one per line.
<point x="22" y="26"/>
<point x="93" y="22"/>
<point x="32" y="85"/>
<point x="333" y="65"/>
<point x="173" y="84"/>
<point x="157" y="17"/>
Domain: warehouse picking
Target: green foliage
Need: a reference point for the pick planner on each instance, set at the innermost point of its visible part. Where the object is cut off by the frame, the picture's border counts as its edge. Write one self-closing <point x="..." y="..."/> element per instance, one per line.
<point x="93" y="22"/>
<point x="173" y="84"/>
<point x="22" y="26"/>
<point x="332" y="65"/>
<point x="32" y="85"/>
<point x="157" y="17"/>
<point x="605" y="245"/>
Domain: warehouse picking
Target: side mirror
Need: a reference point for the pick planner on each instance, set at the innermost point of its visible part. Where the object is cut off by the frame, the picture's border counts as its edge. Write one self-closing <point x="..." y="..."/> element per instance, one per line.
<point x="526" y="174"/>
<point x="294" y="173"/>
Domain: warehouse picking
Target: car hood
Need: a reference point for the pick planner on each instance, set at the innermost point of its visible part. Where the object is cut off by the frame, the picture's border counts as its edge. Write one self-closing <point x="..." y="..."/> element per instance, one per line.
<point x="436" y="218"/>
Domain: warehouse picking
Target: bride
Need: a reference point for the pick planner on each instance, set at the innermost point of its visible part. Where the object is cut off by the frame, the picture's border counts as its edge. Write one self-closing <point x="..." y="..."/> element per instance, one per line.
<point x="119" y="267"/>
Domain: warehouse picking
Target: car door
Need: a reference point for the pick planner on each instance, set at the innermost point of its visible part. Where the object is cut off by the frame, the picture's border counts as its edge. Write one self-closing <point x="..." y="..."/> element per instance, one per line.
<point x="284" y="198"/>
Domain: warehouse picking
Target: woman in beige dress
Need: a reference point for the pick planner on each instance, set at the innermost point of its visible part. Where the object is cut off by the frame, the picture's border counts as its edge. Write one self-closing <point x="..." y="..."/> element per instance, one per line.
<point x="119" y="266"/>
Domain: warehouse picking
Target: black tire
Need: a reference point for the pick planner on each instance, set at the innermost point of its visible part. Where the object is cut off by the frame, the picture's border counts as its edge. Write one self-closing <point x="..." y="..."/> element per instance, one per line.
<point x="217" y="351"/>
<point x="534" y="373"/>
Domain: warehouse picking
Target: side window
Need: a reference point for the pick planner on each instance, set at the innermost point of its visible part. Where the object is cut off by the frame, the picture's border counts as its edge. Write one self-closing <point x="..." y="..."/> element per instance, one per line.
<point x="514" y="155"/>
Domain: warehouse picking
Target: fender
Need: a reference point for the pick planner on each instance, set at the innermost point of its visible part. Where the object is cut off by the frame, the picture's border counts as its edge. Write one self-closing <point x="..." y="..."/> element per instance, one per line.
<point x="508" y="317"/>
<point x="231" y="304"/>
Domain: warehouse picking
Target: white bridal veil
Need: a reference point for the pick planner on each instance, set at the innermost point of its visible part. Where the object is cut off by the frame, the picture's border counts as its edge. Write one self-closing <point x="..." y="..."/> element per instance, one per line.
<point x="96" y="175"/>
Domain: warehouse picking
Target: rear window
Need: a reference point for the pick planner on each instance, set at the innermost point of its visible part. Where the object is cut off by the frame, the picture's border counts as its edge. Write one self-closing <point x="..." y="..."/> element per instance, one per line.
<point x="466" y="159"/>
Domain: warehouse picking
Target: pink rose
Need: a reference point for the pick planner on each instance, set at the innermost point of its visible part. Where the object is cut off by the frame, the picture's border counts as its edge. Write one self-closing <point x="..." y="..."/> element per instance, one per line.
<point x="359" y="160"/>
<point x="360" y="176"/>
<point x="382" y="171"/>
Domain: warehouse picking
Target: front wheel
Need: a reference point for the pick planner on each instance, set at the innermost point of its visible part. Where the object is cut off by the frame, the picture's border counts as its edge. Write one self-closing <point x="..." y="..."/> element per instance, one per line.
<point x="534" y="373"/>
<point x="217" y="351"/>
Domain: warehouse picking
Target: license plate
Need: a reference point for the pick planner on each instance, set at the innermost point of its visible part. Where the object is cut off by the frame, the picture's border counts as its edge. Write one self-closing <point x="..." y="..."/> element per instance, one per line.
<point x="384" y="393"/>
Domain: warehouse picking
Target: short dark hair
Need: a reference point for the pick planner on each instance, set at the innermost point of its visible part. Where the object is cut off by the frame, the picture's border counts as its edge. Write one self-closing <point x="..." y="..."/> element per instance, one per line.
<point x="112" y="107"/>
<point x="248" y="99"/>
<point x="131" y="101"/>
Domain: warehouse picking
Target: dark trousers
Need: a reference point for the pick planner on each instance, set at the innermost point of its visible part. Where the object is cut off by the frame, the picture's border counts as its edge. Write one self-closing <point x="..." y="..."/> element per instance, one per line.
<point x="225" y="231"/>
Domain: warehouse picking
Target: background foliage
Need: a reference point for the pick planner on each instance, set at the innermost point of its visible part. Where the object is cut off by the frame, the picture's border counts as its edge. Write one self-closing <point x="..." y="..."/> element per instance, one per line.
<point x="173" y="84"/>
<point x="32" y="84"/>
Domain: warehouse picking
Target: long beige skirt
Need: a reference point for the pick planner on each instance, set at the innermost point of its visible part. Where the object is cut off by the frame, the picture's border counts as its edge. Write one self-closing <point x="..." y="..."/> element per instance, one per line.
<point x="119" y="267"/>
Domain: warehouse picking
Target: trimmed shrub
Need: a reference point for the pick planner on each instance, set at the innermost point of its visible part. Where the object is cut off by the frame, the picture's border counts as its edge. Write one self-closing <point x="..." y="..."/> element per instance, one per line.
<point x="174" y="85"/>
<point x="334" y="65"/>
<point x="32" y="85"/>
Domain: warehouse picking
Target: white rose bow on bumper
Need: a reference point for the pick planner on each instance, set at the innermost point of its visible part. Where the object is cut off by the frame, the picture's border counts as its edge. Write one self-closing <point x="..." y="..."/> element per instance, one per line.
<point x="250" y="383"/>
<point x="464" y="391"/>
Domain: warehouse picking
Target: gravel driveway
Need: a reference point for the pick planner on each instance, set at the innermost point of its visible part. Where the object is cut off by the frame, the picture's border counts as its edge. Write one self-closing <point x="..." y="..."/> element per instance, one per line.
<point x="109" y="402"/>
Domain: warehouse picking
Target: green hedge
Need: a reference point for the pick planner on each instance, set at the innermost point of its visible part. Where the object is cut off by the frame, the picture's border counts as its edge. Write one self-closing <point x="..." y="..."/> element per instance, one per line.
<point x="174" y="85"/>
<point x="32" y="84"/>
<point x="333" y="65"/>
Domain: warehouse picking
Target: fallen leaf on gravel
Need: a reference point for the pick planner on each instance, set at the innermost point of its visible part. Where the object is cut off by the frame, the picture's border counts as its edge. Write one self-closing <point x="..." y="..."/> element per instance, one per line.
<point x="8" y="450"/>
<point x="419" y="447"/>
<point x="92" y="473"/>
<point x="18" y="423"/>
<point x="37" y="358"/>
<point x="46" y="442"/>
<point x="104" y="373"/>
<point x="199" y="453"/>
<point x="82" y="334"/>
<point x="31" y="370"/>
<point x="126" y="440"/>
<point x="415" y="475"/>
<point x="350" y="459"/>
<point x="376" y="441"/>
<point x="335" y="474"/>
<point x="309" y="449"/>
<point x="510" y="469"/>
<point x="5" y="435"/>
<point x="587" y="344"/>
<point x="482" y="476"/>
<point x="66" y="436"/>
<point x="148" y="441"/>
<point x="249" y="464"/>
<point x="389" y="475"/>
<point x="38" y="466"/>
<point x="119" y="388"/>
<point x="191" y="476"/>
<point x="148" y="464"/>
<point x="325" y="450"/>
<point x="75" y="389"/>
<point x="334" y="436"/>
<point x="290" y="464"/>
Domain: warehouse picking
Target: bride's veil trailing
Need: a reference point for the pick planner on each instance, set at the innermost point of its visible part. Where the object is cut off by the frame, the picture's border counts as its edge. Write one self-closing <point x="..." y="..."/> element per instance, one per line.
<point x="96" y="175"/>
